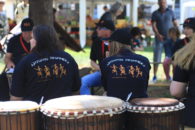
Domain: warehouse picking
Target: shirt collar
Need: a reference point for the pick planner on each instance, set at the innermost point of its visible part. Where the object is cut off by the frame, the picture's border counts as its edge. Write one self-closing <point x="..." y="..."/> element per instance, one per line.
<point x="167" y="9"/>
<point x="125" y="51"/>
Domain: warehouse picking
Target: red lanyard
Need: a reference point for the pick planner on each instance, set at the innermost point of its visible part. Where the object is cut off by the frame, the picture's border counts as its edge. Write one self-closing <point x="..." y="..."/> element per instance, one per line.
<point x="23" y="46"/>
<point x="102" y="48"/>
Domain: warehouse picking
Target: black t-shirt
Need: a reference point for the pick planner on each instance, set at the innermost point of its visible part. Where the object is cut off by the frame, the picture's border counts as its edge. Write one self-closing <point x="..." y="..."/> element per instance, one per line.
<point x="15" y="47"/>
<point x="124" y="73"/>
<point x="51" y="76"/>
<point x="98" y="50"/>
<point x="187" y="76"/>
<point x="180" y="44"/>
<point x="107" y="16"/>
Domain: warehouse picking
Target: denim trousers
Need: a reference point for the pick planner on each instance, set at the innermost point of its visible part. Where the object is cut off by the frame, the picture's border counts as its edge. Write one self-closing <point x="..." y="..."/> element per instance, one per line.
<point x="88" y="81"/>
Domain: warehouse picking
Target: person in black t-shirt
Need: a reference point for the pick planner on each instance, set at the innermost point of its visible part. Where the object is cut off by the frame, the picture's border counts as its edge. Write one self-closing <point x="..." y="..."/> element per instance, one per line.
<point x="189" y="30"/>
<point x="98" y="53"/>
<point x="47" y="71"/>
<point x="124" y="72"/>
<point x="183" y="84"/>
<point x="19" y="45"/>
<point x="115" y="10"/>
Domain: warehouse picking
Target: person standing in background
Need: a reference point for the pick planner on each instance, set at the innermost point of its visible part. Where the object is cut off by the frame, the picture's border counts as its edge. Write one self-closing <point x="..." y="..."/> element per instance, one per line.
<point x="22" y="11"/>
<point x="162" y="20"/>
<point x="115" y="10"/>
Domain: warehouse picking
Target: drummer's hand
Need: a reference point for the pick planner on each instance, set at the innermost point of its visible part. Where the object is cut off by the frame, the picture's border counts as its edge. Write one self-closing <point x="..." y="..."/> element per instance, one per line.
<point x="10" y="65"/>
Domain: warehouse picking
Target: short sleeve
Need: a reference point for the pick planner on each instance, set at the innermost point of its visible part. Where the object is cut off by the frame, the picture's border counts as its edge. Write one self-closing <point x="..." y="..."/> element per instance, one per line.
<point x="18" y="82"/>
<point x="153" y="17"/>
<point x="180" y="75"/>
<point x="10" y="46"/>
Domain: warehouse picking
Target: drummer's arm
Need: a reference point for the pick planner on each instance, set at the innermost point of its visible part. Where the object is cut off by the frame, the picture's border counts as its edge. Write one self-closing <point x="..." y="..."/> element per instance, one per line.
<point x="178" y="89"/>
<point x="8" y="60"/>
<point x="14" y="98"/>
<point x="95" y="65"/>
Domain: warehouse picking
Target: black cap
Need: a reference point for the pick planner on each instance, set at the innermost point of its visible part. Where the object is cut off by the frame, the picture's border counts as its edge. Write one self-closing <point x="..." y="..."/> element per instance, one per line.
<point x="189" y="22"/>
<point x="107" y="24"/>
<point x="27" y="25"/>
<point x="122" y="36"/>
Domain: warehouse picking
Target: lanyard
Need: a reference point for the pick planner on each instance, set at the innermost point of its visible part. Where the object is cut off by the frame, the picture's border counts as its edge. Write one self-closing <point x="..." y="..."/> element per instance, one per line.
<point x="23" y="46"/>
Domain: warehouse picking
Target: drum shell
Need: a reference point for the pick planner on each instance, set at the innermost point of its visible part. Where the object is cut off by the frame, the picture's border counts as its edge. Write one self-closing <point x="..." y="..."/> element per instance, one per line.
<point x="98" y="122"/>
<point x="20" y="121"/>
<point x="155" y="121"/>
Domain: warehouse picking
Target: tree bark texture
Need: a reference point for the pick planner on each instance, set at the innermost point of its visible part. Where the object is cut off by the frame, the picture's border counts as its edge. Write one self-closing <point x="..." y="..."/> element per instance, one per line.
<point x="41" y="11"/>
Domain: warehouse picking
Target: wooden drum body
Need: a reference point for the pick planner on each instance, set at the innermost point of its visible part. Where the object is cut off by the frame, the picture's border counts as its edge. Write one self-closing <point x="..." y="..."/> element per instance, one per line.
<point x="19" y="115"/>
<point x="154" y="114"/>
<point x="83" y="113"/>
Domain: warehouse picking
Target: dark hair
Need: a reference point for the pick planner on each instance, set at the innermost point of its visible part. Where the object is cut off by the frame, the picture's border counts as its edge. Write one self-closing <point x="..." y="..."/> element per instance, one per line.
<point x="135" y="31"/>
<point x="175" y="30"/>
<point x="46" y="39"/>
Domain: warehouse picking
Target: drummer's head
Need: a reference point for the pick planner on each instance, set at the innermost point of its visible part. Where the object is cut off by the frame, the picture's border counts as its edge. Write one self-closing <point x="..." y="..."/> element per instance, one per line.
<point x="120" y="39"/>
<point x="105" y="28"/>
<point x="44" y="39"/>
<point x="189" y="27"/>
<point x="26" y="28"/>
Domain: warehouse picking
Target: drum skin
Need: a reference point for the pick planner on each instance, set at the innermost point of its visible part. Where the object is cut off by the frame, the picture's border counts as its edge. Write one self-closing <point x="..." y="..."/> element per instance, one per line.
<point x="21" y="118"/>
<point x="84" y="116"/>
<point x="154" y="114"/>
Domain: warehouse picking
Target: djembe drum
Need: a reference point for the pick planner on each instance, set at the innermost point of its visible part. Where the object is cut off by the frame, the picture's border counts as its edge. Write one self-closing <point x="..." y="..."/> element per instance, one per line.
<point x="154" y="114"/>
<point x="83" y="113"/>
<point x="19" y="115"/>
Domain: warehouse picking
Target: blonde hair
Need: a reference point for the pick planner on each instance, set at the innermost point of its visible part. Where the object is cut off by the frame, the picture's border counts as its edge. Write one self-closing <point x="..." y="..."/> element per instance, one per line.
<point x="185" y="57"/>
<point x="115" y="47"/>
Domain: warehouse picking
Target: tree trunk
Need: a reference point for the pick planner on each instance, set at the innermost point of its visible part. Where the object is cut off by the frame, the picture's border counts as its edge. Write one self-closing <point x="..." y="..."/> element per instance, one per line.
<point x="41" y="11"/>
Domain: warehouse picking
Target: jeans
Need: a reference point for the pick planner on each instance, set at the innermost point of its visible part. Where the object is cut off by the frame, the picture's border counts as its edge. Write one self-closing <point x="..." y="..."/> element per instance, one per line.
<point x="88" y="81"/>
<point x="158" y="49"/>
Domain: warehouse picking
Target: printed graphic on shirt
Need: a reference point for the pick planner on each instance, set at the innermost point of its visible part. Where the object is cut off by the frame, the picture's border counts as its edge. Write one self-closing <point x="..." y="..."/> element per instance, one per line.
<point x="46" y="72"/>
<point x="114" y="69"/>
<point x="122" y="72"/>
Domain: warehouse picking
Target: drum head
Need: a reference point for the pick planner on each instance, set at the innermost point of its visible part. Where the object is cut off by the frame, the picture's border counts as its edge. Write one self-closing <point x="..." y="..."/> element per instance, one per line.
<point x="154" y="102"/>
<point x="82" y="105"/>
<point x="154" y="105"/>
<point x="17" y="106"/>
